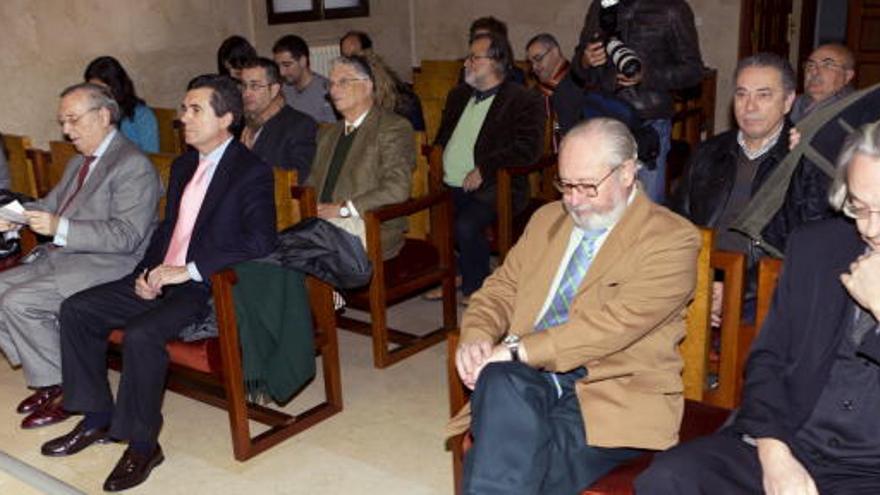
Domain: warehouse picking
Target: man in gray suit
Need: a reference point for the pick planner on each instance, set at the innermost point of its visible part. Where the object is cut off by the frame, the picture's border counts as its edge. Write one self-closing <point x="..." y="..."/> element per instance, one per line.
<point x="98" y="219"/>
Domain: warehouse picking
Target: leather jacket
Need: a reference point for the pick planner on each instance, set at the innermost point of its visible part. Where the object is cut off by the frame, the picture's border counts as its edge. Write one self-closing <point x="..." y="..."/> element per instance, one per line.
<point x="663" y="35"/>
<point x="707" y="185"/>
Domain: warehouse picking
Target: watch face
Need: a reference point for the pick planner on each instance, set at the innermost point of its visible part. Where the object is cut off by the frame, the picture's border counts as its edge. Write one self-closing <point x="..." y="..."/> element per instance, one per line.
<point x="344" y="212"/>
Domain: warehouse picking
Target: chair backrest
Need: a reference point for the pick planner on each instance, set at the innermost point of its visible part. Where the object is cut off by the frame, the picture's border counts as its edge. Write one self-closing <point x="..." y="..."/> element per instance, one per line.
<point x="695" y="347"/>
<point x="769" y="270"/>
<point x="432" y="82"/>
<point x="61" y="152"/>
<point x="169" y="130"/>
<point x="287" y="210"/>
<point x="21" y="171"/>
<point x="162" y="162"/>
<point x="420" y="223"/>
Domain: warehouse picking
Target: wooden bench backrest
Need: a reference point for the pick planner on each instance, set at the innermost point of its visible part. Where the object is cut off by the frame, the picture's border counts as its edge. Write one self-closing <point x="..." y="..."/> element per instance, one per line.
<point x="61" y="152"/>
<point x="169" y="131"/>
<point x="21" y="171"/>
<point x="695" y="347"/>
<point x="287" y="210"/>
<point x="162" y="162"/>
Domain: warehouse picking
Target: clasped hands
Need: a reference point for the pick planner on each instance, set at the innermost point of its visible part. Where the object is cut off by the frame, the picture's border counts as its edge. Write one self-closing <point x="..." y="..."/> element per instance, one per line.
<point x="470" y="359"/>
<point x="150" y="282"/>
<point x="41" y="222"/>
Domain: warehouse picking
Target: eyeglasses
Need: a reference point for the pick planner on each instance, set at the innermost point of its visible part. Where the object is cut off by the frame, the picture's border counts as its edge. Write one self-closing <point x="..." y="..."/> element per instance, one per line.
<point x="346" y="81"/>
<point x="824" y="64"/>
<point x="253" y="86"/>
<point x="538" y="58"/>
<point x="472" y="57"/>
<point x="588" y="190"/>
<point x="851" y="210"/>
<point x="74" y="119"/>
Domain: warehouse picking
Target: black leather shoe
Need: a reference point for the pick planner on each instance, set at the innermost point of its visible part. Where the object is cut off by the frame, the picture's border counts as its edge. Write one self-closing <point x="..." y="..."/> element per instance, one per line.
<point x="37" y="399"/>
<point x="78" y="439"/>
<point x="132" y="469"/>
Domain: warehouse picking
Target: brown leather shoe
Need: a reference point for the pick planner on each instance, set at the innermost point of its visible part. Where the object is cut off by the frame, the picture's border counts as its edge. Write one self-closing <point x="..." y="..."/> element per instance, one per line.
<point x="132" y="469"/>
<point x="36" y="400"/>
<point x="50" y="413"/>
<point x="71" y="443"/>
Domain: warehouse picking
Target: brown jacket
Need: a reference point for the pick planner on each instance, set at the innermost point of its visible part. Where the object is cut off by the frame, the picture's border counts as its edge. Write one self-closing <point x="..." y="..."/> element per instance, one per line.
<point x="626" y="320"/>
<point x="377" y="170"/>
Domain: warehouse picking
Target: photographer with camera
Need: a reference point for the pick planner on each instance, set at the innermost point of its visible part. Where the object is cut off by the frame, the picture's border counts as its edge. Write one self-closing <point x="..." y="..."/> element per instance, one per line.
<point x="640" y="50"/>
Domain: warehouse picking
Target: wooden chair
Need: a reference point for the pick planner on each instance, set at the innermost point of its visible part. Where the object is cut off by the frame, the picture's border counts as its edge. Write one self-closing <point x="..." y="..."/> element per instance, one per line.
<point x="210" y="370"/>
<point x="21" y="172"/>
<point x="699" y="418"/>
<point x="510" y="225"/>
<point x="162" y="162"/>
<point x="287" y="210"/>
<point x="170" y="129"/>
<point x="61" y="152"/>
<point x="420" y="265"/>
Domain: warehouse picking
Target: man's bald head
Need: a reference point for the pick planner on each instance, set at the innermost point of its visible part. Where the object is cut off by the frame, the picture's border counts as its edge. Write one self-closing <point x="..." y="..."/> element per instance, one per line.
<point x="828" y="69"/>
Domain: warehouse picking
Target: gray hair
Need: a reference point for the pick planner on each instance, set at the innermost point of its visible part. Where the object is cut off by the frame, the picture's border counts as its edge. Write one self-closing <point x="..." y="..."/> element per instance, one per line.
<point x="773" y="61"/>
<point x="619" y="143"/>
<point x="357" y="62"/>
<point x="545" y="39"/>
<point x="99" y="97"/>
<point x="864" y="141"/>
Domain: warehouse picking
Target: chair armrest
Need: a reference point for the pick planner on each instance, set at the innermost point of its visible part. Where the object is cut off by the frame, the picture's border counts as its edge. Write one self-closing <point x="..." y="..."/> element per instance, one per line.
<point x="307" y="199"/>
<point x="408" y="207"/>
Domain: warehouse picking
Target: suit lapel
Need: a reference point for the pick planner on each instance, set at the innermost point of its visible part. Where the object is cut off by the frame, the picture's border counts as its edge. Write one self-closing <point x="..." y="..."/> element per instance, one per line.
<point x="102" y="168"/>
<point x="218" y="185"/>
<point x="325" y="156"/>
<point x="532" y="293"/>
<point x="618" y="241"/>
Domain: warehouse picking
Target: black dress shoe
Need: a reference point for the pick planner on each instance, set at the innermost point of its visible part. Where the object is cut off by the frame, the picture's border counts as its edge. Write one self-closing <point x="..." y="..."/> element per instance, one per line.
<point x="37" y="399"/>
<point x="132" y="469"/>
<point x="51" y="413"/>
<point x="78" y="439"/>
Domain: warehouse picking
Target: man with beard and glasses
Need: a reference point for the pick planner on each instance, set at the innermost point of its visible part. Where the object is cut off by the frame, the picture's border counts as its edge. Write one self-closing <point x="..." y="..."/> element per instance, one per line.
<point x="570" y="346"/>
<point x="828" y="73"/>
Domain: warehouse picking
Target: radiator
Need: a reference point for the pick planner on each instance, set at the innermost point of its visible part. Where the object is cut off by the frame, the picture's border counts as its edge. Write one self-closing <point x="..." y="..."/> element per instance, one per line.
<point x="320" y="58"/>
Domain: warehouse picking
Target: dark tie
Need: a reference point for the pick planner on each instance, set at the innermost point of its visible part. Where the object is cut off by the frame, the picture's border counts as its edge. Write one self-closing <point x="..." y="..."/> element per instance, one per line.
<point x="80" y="179"/>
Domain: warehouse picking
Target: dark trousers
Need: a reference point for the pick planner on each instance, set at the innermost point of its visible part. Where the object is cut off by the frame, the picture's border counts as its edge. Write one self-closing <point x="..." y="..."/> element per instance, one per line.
<point x="529" y="440"/>
<point x="87" y="318"/>
<point x="472" y="216"/>
<point x="723" y="463"/>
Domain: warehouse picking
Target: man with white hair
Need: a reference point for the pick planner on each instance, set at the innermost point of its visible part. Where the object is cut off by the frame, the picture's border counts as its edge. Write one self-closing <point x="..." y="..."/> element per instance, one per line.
<point x="570" y="346"/>
<point x="808" y="420"/>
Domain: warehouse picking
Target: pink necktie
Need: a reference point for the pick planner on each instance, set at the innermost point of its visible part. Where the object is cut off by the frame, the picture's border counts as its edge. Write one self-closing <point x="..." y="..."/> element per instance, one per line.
<point x="190" y="203"/>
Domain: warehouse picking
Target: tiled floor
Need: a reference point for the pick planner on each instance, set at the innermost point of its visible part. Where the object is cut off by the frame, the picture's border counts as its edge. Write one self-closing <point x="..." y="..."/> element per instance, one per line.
<point x="388" y="439"/>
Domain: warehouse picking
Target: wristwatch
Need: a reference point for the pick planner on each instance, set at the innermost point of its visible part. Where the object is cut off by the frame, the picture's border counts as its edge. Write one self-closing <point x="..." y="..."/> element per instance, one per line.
<point x="512" y="344"/>
<point x="344" y="211"/>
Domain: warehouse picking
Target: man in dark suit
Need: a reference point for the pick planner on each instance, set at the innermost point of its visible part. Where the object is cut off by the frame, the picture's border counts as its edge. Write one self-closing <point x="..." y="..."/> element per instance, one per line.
<point x="281" y="136"/>
<point x="219" y="212"/>
<point x="808" y="421"/>
<point x="488" y="123"/>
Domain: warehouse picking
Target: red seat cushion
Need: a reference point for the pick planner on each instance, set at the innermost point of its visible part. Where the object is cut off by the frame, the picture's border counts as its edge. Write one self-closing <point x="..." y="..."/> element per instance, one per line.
<point x="699" y="420"/>
<point x="201" y="355"/>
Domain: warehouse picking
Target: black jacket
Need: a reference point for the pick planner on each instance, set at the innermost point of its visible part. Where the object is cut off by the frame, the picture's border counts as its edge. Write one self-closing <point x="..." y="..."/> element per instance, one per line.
<point x="663" y="34"/>
<point x="708" y="183"/>
<point x="791" y="359"/>
<point x="236" y="220"/>
<point x="512" y="134"/>
<point x="288" y="141"/>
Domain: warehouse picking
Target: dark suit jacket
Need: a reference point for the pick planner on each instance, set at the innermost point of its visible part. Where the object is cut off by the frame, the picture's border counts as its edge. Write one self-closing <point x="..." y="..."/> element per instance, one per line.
<point x="791" y="359"/>
<point x="288" y="141"/>
<point x="236" y="221"/>
<point x="512" y="134"/>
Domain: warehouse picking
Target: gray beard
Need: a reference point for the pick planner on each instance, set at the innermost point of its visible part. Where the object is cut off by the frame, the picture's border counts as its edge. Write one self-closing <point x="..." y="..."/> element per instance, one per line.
<point x="599" y="221"/>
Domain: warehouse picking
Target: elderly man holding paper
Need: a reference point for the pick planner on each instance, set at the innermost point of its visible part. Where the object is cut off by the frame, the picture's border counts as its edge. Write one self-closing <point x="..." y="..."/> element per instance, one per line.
<point x="98" y="221"/>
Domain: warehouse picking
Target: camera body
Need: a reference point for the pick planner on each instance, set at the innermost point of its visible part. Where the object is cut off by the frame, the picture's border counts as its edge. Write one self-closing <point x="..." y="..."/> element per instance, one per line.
<point x="624" y="58"/>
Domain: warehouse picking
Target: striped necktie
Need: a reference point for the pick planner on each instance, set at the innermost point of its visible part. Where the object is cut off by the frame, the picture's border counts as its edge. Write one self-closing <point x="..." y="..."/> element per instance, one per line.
<point x="578" y="264"/>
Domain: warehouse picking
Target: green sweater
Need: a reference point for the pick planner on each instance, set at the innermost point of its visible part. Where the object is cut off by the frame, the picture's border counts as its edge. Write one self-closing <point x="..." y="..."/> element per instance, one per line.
<point x="458" y="156"/>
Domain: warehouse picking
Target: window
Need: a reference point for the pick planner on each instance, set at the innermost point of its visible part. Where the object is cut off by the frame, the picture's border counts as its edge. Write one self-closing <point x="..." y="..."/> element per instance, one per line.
<point x="283" y="11"/>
